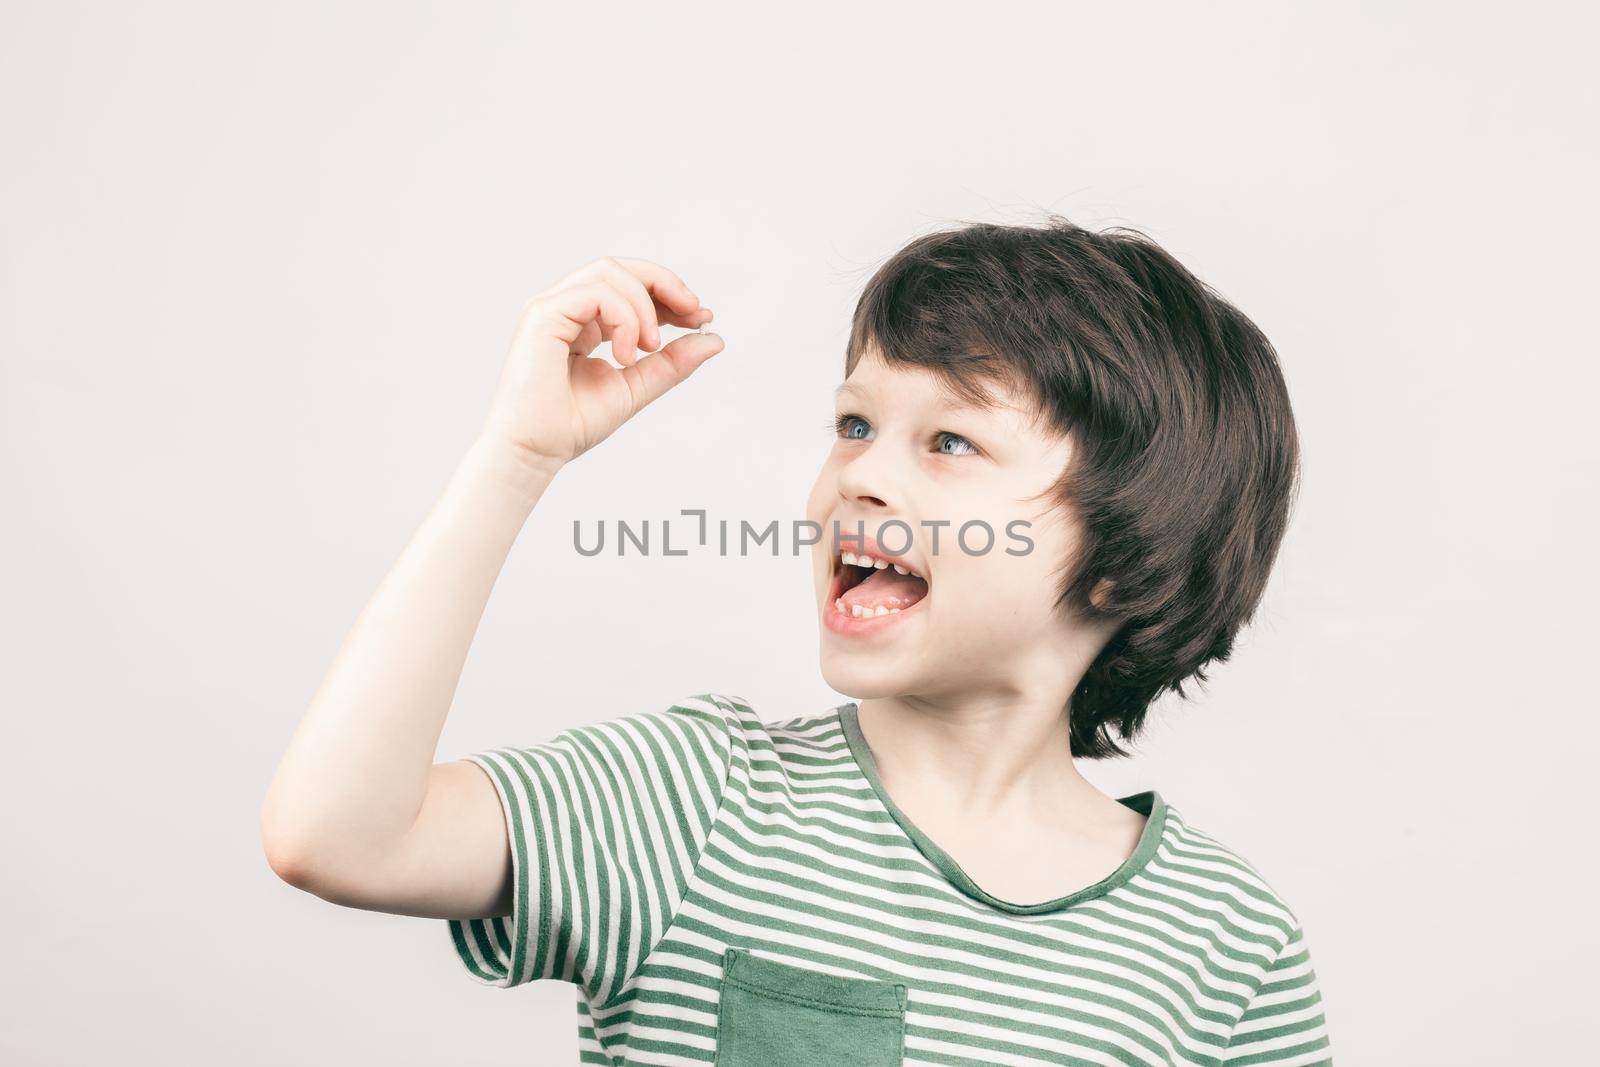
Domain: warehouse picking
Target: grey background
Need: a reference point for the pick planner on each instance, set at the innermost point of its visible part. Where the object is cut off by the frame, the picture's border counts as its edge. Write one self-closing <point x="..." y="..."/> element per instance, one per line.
<point x="261" y="263"/>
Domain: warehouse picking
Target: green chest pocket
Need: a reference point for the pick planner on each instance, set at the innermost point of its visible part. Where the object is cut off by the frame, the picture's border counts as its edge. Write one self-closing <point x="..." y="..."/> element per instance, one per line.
<point x="777" y="1015"/>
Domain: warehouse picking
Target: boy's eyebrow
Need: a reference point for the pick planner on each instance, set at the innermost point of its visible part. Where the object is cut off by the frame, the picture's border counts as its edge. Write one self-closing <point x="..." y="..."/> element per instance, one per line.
<point x="942" y="403"/>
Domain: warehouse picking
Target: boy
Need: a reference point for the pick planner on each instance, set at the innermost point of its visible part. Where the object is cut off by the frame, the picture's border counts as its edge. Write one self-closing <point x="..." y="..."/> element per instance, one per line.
<point x="920" y="875"/>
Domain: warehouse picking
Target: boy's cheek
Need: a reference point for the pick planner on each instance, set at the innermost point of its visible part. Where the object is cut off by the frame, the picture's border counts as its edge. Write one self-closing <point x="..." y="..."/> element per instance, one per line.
<point x="817" y="500"/>
<point x="995" y="597"/>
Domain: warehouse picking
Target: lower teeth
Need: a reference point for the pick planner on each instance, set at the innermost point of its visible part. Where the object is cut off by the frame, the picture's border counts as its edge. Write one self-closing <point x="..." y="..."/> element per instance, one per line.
<point x="856" y="611"/>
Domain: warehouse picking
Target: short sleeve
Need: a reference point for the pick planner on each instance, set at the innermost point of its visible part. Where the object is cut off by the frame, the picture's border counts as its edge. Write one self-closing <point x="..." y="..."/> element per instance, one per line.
<point x="1283" y="1024"/>
<point x="605" y="824"/>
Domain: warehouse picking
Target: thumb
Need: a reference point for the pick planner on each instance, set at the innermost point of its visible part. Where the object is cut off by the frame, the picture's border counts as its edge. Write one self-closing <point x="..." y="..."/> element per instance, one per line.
<point x="655" y="374"/>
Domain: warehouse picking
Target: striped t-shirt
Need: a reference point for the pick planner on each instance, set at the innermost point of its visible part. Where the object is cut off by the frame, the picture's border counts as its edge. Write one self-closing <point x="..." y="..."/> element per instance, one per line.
<point x="724" y="890"/>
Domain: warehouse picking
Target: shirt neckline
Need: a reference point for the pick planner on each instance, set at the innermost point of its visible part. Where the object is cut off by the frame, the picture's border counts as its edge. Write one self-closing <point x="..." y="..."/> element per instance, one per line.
<point x="1148" y="803"/>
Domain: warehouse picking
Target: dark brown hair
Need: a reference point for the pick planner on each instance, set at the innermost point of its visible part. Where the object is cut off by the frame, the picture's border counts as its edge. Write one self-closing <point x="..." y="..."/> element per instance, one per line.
<point x="1185" y="452"/>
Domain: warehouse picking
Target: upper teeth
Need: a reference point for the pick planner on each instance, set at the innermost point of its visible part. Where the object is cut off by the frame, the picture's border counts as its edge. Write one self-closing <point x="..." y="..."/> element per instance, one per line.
<point x="864" y="560"/>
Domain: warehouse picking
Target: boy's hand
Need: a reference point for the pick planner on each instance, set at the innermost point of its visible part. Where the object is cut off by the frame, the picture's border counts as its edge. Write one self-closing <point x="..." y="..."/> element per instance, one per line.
<point x="555" y="401"/>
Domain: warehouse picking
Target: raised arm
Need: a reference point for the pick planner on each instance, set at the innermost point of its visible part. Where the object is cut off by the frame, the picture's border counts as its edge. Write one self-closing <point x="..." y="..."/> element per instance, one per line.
<point x="358" y="813"/>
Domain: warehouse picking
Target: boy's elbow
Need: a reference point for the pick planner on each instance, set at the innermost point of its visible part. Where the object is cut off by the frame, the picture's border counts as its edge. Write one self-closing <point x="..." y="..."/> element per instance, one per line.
<point x="286" y="854"/>
<point x="316" y="866"/>
<point x="290" y="851"/>
<point x="297" y="864"/>
<point x="287" y="866"/>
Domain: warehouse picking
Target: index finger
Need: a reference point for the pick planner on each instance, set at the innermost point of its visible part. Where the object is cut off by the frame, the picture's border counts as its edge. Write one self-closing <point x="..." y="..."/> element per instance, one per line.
<point x="665" y="287"/>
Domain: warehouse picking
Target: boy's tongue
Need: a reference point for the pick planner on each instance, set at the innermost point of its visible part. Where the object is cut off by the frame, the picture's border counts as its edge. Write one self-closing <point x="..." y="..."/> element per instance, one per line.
<point x="887" y="587"/>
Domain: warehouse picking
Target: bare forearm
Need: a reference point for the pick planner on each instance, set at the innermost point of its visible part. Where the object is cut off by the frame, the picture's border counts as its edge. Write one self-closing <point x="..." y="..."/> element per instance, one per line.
<point x="356" y="770"/>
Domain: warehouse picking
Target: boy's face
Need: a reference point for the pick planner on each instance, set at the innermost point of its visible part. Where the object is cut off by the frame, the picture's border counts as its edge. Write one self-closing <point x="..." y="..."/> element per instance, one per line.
<point x="968" y="620"/>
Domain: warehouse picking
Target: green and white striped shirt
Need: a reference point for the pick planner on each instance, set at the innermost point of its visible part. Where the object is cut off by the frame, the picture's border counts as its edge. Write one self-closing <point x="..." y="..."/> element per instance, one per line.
<point x="723" y="890"/>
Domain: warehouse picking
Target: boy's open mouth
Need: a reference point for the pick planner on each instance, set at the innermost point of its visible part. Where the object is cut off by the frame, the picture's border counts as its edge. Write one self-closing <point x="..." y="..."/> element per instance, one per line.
<point x="866" y="586"/>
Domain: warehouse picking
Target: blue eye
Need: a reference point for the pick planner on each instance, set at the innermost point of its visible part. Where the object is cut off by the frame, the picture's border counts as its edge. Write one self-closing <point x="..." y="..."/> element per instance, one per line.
<point x="852" y="427"/>
<point x="856" y="428"/>
<point x="952" y="445"/>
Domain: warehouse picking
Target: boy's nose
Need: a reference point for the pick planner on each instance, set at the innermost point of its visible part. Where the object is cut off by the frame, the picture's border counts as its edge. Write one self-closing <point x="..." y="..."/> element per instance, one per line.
<point x="862" y="481"/>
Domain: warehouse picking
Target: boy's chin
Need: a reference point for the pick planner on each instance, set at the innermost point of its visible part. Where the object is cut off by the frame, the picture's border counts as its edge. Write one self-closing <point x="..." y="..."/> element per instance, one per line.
<point x="867" y="677"/>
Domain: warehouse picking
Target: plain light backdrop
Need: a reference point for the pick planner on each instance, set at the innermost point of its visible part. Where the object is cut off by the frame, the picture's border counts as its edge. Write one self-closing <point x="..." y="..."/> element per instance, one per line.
<point x="260" y="266"/>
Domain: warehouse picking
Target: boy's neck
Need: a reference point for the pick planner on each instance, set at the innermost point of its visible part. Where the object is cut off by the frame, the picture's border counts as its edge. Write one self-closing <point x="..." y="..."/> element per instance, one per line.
<point x="987" y="755"/>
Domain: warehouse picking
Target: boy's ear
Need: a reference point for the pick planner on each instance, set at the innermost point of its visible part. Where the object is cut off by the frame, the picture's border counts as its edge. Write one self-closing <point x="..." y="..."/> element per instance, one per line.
<point x="1101" y="596"/>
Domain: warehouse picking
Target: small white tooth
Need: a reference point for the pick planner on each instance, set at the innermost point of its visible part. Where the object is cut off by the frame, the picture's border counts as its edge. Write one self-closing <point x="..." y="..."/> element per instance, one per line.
<point x="880" y="563"/>
<point x="894" y="611"/>
<point x="839" y="605"/>
<point x="849" y="557"/>
<point x="881" y="610"/>
<point x="900" y="570"/>
<point x="857" y="610"/>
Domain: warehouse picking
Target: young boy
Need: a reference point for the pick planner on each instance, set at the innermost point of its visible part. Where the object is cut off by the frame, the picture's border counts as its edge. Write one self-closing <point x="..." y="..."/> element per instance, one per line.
<point x="920" y="875"/>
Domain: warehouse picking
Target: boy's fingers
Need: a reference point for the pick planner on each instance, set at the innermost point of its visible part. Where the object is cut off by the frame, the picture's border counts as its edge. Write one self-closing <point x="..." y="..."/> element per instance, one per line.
<point x="667" y="288"/>
<point x="694" y="319"/>
<point x="638" y="294"/>
<point x="589" y="339"/>
<point x="655" y="374"/>
<point x="655" y="294"/>
<point x="570" y="311"/>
